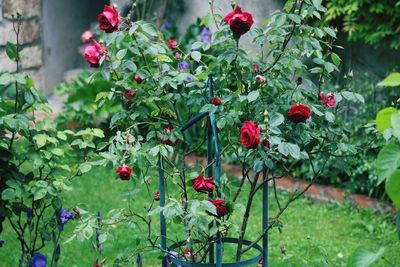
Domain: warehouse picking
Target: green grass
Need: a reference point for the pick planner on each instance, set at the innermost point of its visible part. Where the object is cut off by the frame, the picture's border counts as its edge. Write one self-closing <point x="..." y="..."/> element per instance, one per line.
<point x="308" y="229"/>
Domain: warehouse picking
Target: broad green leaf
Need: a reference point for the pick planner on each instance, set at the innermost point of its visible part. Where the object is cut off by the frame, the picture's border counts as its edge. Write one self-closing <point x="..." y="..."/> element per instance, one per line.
<point x="335" y="59"/>
<point x="121" y="54"/>
<point x="276" y="119"/>
<point x="331" y="32"/>
<point x="252" y="96"/>
<point x="85" y="167"/>
<point x="149" y="29"/>
<point x="395" y="120"/>
<point x="364" y="256"/>
<point x="393" y="187"/>
<point x="8" y="194"/>
<point x="5" y="78"/>
<point x="40" y="139"/>
<point x="392" y="80"/>
<point x="11" y="51"/>
<point x="329" y="116"/>
<point x="196" y="55"/>
<point x="383" y="118"/>
<point x="388" y="161"/>
<point x="39" y="194"/>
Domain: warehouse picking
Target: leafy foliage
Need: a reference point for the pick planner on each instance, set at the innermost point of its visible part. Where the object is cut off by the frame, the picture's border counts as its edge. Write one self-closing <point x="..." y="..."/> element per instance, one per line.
<point x="375" y="22"/>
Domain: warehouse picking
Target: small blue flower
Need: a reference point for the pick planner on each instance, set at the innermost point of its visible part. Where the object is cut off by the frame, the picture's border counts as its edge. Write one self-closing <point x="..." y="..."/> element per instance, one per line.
<point x="63" y="217"/>
<point x="206" y="35"/>
<point x="38" y="260"/>
<point x="139" y="260"/>
<point x="183" y="66"/>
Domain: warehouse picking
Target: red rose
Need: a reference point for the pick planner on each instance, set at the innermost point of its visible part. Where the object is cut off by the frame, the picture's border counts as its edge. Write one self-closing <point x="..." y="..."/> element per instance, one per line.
<point x="256" y="68"/>
<point x="266" y="143"/>
<point x="260" y="263"/>
<point x="299" y="113"/>
<point x="86" y="36"/>
<point x="137" y="78"/>
<point x="261" y="79"/>
<point x="239" y="22"/>
<point x="124" y="172"/>
<point x="109" y="19"/>
<point x="157" y="196"/>
<point x="97" y="265"/>
<point x="327" y="100"/>
<point x="221" y="207"/>
<point x="129" y="94"/>
<point x="250" y="135"/>
<point x="94" y="52"/>
<point x="216" y="101"/>
<point x="201" y="184"/>
<point x="172" y="44"/>
<point x="166" y="134"/>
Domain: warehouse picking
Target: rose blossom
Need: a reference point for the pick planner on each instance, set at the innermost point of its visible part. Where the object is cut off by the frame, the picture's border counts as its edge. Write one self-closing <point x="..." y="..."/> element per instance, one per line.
<point x="94" y="52"/>
<point x="220" y="206"/>
<point x="261" y="79"/>
<point x="299" y="113"/>
<point x="216" y="101"/>
<point x="138" y="79"/>
<point x="239" y="22"/>
<point x="97" y="265"/>
<point x="327" y="100"/>
<point x="109" y="19"/>
<point x="128" y="94"/>
<point x="86" y="36"/>
<point x="201" y="184"/>
<point x="124" y="172"/>
<point x="250" y="135"/>
<point x="260" y="263"/>
<point x="172" y="44"/>
<point x="157" y="196"/>
<point x="256" y="68"/>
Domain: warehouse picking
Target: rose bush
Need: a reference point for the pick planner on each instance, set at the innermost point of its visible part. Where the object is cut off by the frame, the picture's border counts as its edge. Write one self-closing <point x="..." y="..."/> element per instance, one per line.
<point x="270" y="98"/>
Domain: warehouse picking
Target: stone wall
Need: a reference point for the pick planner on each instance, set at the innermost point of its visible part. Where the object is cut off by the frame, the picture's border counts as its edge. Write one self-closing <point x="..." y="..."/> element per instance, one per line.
<point x="31" y="48"/>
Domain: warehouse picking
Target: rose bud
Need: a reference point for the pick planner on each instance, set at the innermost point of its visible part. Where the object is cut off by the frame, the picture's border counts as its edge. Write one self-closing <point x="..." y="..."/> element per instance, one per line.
<point x="109" y="19"/>
<point x="172" y="44"/>
<point x="137" y="78"/>
<point x="327" y="100"/>
<point x="299" y="113"/>
<point x="157" y="196"/>
<point x="129" y="94"/>
<point x="178" y="56"/>
<point x="76" y="211"/>
<point x="124" y="172"/>
<point x="266" y="143"/>
<point x="239" y="22"/>
<point x="299" y="81"/>
<point x="256" y="67"/>
<point x="97" y="265"/>
<point x="250" y="135"/>
<point x="260" y="263"/>
<point x="261" y="79"/>
<point x="220" y="206"/>
<point x="86" y="36"/>
<point x="216" y="101"/>
<point x="166" y="134"/>
<point x="94" y="52"/>
<point x="188" y="254"/>
<point x="203" y="185"/>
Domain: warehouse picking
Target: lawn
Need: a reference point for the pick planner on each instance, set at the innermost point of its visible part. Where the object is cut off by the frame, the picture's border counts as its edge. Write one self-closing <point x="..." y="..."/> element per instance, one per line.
<point x="311" y="232"/>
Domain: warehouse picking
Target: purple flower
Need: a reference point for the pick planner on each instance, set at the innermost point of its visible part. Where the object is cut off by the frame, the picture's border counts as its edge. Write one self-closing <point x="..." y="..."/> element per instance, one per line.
<point x="63" y="217"/>
<point x="38" y="260"/>
<point x="188" y="79"/>
<point x="139" y="260"/>
<point x="206" y="35"/>
<point x="168" y="23"/>
<point x="58" y="250"/>
<point x="183" y="66"/>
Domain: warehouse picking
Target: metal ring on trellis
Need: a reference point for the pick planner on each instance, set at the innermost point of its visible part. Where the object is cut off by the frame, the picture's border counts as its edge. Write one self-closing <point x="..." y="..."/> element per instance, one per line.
<point x="212" y="142"/>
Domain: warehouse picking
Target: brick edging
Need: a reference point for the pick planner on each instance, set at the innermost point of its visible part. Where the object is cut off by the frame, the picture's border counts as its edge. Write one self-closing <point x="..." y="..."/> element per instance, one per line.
<point x="316" y="193"/>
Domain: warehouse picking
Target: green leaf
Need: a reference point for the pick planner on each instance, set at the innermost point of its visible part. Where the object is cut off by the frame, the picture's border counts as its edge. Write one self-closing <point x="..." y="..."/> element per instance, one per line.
<point x="289" y="149"/>
<point x="196" y="55"/>
<point x="40" y="193"/>
<point x="85" y="167"/>
<point x="276" y="119"/>
<point x="395" y="121"/>
<point x="383" y="118"/>
<point x="121" y="54"/>
<point x="252" y="96"/>
<point x="149" y="29"/>
<point x="8" y="194"/>
<point x="329" y="116"/>
<point x="11" y="51"/>
<point x="392" y="80"/>
<point x="393" y="187"/>
<point x="388" y="161"/>
<point x="5" y="78"/>
<point x="363" y="257"/>
<point x="40" y="140"/>
<point x="336" y="59"/>
<point x="331" y="32"/>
